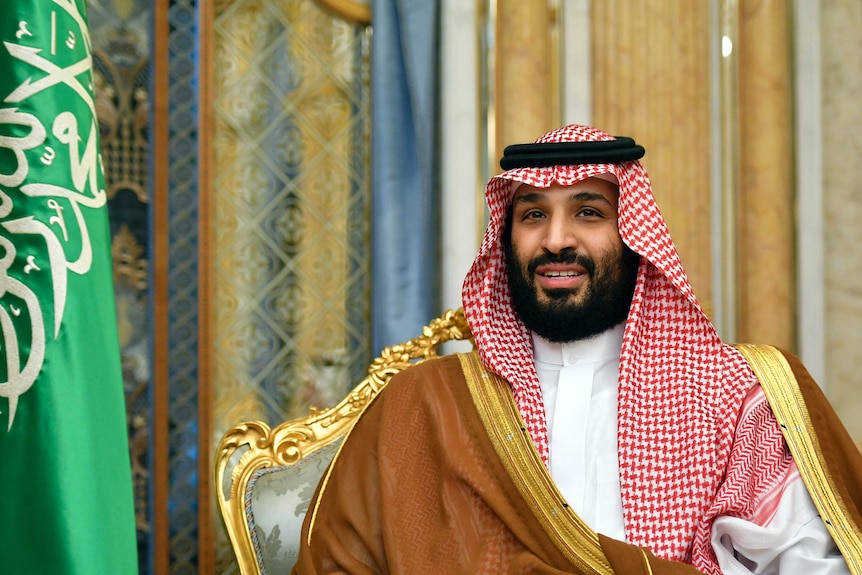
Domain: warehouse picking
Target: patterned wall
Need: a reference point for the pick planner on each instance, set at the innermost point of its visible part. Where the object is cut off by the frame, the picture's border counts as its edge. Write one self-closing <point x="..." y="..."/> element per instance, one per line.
<point x="291" y="187"/>
<point x="182" y="419"/>
<point x="291" y="300"/>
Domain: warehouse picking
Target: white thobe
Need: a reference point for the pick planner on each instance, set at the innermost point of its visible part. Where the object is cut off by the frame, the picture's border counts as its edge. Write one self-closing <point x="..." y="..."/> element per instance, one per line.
<point x="579" y="387"/>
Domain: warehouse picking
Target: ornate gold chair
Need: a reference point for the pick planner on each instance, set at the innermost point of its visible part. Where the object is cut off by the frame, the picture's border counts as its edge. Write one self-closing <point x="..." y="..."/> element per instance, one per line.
<point x="265" y="478"/>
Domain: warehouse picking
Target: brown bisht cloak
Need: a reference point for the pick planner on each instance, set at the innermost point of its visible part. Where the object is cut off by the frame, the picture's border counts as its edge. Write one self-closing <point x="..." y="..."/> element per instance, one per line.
<point x="439" y="475"/>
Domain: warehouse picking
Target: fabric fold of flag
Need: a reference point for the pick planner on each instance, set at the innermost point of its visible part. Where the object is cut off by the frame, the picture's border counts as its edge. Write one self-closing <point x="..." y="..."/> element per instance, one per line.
<point x="66" y="503"/>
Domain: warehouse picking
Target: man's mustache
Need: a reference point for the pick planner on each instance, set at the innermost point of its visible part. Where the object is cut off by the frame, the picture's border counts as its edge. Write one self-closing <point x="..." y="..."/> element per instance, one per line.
<point x="566" y="256"/>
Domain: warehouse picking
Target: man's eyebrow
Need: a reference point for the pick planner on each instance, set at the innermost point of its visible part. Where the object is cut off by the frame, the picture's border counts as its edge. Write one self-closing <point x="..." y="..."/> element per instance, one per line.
<point x="529" y="197"/>
<point x="579" y="196"/>
<point x="588" y="196"/>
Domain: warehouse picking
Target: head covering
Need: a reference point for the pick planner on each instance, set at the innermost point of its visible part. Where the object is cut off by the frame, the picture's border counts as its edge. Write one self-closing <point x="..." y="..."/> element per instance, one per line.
<point x="679" y="384"/>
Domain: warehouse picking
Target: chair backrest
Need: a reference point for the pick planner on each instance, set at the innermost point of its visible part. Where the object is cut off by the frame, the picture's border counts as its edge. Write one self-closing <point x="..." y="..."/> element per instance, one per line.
<point x="265" y="477"/>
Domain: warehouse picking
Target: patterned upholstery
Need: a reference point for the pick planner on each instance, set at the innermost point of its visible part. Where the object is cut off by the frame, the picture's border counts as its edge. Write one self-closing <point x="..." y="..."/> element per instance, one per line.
<point x="265" y="477"/>
<point x="279" y="498"/>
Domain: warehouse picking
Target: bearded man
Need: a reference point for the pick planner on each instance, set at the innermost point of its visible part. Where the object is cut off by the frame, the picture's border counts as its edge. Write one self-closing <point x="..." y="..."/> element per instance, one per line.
<point x="601" y="426"/>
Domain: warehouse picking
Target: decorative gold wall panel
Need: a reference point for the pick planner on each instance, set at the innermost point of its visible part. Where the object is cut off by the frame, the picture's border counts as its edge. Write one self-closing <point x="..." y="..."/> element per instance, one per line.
<point x="650" y="80"/>
<point x="767" y="268"/>
<point x="841" y="31"/>
<point x="287" y="196"/>
<point x="290" y="202"/>
<point x="527" y="103"/>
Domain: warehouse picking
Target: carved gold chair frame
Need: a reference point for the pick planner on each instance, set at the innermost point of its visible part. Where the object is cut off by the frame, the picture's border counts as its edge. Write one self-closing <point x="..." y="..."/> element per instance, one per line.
<point x="291" y="441"/>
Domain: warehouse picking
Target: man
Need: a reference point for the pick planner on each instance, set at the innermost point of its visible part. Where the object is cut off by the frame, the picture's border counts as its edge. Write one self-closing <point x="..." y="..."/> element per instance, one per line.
<point x="601" y="426"/>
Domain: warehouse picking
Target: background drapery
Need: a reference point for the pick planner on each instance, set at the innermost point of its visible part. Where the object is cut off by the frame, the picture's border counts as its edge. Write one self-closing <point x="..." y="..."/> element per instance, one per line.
<point x="404" y="88"/>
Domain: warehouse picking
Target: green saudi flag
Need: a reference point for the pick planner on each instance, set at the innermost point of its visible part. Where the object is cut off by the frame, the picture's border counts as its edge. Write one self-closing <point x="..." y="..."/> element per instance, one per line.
<point x="66" y="503"/>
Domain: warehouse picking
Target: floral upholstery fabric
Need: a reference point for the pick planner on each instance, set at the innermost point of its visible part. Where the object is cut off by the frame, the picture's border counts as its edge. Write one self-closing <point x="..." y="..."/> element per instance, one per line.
<point x="276" y="502"/>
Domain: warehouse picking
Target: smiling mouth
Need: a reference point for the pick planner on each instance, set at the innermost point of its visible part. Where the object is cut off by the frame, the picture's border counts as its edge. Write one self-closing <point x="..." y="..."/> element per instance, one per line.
<point x="568" y="274"/>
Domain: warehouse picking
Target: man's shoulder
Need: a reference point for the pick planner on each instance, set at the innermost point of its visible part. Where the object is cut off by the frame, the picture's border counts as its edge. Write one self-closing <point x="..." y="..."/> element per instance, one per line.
<point x="775" y="366"/>
<point x="432" y="373"/>
<point x="432" y="378"/>
<point x="431" y="390"/>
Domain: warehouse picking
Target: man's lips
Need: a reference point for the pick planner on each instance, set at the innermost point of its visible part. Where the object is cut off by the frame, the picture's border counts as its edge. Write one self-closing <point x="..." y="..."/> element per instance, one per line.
<point x="560" y="276"/>
<point x="555" y="270"/>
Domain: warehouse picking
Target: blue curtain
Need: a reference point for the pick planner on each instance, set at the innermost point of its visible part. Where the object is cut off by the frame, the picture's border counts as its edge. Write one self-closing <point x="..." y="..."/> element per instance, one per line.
<point x="404" y="212"/>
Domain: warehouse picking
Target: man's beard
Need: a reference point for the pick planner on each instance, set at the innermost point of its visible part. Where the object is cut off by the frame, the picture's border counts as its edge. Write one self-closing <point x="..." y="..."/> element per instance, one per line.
<point x="605" y="304"/>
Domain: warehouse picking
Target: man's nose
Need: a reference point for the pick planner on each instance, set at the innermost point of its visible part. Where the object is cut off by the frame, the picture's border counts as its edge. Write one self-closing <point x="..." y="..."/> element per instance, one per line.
<point x="560" y="235"/>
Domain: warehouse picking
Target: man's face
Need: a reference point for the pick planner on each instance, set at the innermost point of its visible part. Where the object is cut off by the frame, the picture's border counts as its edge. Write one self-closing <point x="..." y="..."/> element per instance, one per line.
<point x="570" y="274"/>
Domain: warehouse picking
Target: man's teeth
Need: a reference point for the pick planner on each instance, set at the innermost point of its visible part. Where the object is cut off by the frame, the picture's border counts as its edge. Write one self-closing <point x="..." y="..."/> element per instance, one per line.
<point x="561" y="274"/>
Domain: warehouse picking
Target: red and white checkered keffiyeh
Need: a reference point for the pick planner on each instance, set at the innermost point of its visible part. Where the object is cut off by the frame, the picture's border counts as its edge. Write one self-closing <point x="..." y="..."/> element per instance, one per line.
<point x="680" y="389"/>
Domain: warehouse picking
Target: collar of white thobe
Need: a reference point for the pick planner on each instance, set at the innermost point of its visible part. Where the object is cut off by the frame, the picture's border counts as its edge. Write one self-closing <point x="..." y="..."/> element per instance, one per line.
<point x="579" y="388"/>
<point x="551" y="358"/>
<point x="605" y="345"/>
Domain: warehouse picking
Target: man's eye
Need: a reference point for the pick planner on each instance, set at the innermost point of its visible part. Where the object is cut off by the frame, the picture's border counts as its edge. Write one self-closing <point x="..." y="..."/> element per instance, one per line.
<point x="590" y="213"/>
<point x="532" y="215"/>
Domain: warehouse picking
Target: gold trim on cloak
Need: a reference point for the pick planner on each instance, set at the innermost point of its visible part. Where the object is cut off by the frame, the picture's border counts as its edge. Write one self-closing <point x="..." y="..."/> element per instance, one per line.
<point x="784" y="396"/>
<point x="513" y="444"/>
